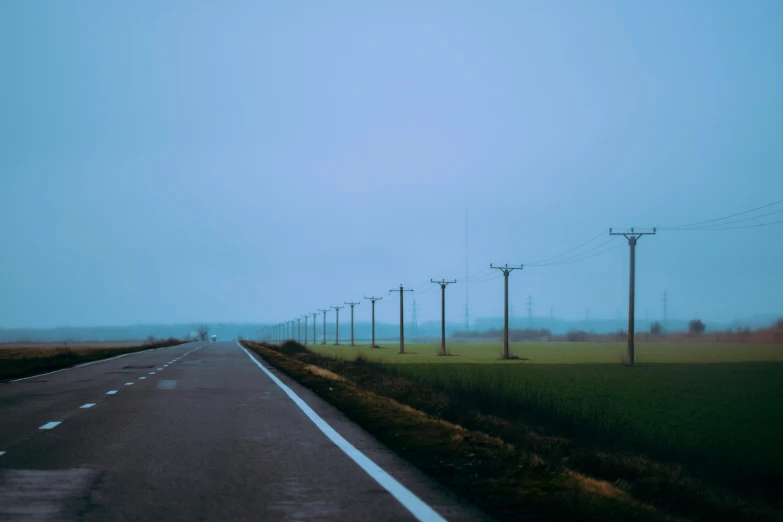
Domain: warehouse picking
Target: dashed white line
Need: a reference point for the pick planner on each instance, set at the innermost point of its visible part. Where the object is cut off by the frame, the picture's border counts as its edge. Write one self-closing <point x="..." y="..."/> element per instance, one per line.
<point x="2" y="453"/>
<point x="128" y="384"/>
<point x="152" y="373"/>
<point x="111" y="392"/>
<point x="142" y="377"/>
<point x="88" y="405"/>
<point x="49" y="425"/>
<point x="159" y="369"/>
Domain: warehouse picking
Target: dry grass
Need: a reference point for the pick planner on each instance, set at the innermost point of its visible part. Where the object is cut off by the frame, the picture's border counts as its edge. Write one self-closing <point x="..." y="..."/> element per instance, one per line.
<point x="21" y="359"/>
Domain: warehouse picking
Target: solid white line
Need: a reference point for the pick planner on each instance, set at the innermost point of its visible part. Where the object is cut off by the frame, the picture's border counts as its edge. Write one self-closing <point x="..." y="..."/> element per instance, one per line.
<point x="404" y="496"/>
<point x="88" y="405"/>
<point x="49" y="425"/>
<point x="78" y="366"/>
<point x="111" y="392"/>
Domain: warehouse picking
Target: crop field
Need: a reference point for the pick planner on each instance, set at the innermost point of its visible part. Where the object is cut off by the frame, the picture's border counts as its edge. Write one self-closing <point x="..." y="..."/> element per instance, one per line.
<point x="559" y="353"/>
<point x="698" y="402"/>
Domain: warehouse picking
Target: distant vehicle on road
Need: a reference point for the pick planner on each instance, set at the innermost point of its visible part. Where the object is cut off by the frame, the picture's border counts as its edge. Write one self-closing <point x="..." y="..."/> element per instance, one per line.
<point x="214" y="338"/>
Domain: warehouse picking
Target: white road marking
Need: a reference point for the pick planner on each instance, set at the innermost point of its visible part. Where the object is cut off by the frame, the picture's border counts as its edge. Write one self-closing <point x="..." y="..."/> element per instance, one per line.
<point x="128" y="384"/>
<point x="78" y="366"/>
<point x="88" y="405"/>
<point x="152" y="373"/>
<point x="2" y="453"/>
<point x="159" y="369"/>
<point x="49" y="425"/>
<point x="111" y="392"/>
<point x="404" y="496"/>
<point x="142" y="377"/>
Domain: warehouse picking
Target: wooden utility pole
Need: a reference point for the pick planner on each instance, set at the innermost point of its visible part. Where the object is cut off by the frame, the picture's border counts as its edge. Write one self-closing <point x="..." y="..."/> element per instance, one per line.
<point x="324" y="311"/>
<point x="506" y="271"/>
<point x="337" y="325"/>
<point x="632" y="237"/>
<point x="352" y="305"/>
<point x="299" y="329"/>
<point x="402" y="319"/>
<point x="373" y="299"/>
<point x="314" y="314"/>
<point x="305" y="317"/>
<point x="443" y="284"/>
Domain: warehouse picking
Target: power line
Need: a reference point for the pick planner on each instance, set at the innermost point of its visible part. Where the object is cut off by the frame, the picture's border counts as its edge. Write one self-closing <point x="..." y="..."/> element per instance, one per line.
<point x="601" y="233"/>
<point x="738" y="220"/>
<point x="725" y="217"/>
<point x="707" y="229"/>
<point x="569" y="259"/>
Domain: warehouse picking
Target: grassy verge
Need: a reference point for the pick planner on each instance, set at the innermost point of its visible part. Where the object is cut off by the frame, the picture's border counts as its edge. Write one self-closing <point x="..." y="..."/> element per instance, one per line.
<point x="17" y="362"/>
<point x="507" y="465"/>
<point x="503" y="480"/>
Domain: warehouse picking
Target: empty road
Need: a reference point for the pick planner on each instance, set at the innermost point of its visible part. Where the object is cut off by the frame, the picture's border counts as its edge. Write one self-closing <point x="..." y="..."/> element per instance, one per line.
<point x="201" y="432"/>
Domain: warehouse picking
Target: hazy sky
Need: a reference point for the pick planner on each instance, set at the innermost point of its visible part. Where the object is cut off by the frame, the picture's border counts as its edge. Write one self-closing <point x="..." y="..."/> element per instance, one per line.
<point x="254" y="161"/>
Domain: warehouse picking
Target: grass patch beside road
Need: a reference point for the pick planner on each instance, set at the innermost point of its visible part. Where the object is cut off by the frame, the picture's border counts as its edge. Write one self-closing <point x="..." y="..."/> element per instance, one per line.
<point x="17" y="361"/>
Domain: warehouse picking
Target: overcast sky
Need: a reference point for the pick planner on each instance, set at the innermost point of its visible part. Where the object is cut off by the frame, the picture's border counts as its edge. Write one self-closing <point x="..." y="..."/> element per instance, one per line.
<point x="255" y="161"/>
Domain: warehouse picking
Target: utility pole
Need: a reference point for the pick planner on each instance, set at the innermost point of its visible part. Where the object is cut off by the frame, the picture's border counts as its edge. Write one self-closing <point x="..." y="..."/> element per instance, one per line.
<point x="337" y="325"/>
<point x="373" y="299"/>
<point x="402" y="319"/>
<point x="299" y="329"/>
<point x="632" y="238"/>
<point x="506" y="271"/>
<point x="529" y="311"/>
<point x="324" y="311"/>
<point x="352" y="305"/>
<point x="443" y="284"/>
<point x="305" y="317"/>
<point x="314" y="314"/>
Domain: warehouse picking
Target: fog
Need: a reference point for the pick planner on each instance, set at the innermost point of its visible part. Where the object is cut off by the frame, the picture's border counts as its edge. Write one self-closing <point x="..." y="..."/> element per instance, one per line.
<point x="254" y="162"/>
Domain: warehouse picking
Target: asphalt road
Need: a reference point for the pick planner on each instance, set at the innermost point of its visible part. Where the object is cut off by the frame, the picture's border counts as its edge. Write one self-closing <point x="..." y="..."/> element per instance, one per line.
<point x="196" y="432"/>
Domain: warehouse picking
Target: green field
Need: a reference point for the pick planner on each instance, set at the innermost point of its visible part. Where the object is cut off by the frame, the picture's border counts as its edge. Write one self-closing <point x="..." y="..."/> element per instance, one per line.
<point x="560" y="353"/>
<point x="689" y="402"/>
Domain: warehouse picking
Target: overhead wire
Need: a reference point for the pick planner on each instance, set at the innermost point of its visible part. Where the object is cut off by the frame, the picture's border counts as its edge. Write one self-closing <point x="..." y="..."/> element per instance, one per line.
<point x="614" y="238"/>
<point x="571" y="250"/>
<point x="709" y="229"/>
<point x="732" y="222"/>
<point x="722" y="218"/>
